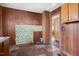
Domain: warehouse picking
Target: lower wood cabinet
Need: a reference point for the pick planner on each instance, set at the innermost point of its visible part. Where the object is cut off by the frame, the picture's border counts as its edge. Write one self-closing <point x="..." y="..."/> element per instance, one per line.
<point x="70" y="39"/>
<point x="37" y="37"/>
<point x="0" y="48"/>
<point x="4" y="47"/>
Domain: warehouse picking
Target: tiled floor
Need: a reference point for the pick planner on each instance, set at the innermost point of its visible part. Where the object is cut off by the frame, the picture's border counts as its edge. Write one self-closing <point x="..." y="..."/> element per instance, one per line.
<point x="32" y="50"/>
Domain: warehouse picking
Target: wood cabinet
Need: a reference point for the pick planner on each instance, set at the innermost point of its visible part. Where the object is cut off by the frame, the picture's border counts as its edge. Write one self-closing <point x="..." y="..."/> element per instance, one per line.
<point x="4" y="46"/>
<point x="37" y="37"/>
<point x="70" y="29"/>
<point x="64" y="12"/>
<point x="69" y="12"/>
<point x="70" y="39"/>
<point x="0" y="48"/>
<point x="73" y="11"/>
<point x="64" y="39"/>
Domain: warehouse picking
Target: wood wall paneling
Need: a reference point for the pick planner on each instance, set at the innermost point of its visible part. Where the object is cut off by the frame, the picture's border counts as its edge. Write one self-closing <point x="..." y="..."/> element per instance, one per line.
<point x="46" y="27"/>
<point x="52" y="14"/>
<point x="56" y="11"/>
<point x="70" y="38"/>
<point x="13" y="17"/>
<point x="1" y="21"/>
<point x="77" y="39"/>
<point x="0" y="48"/>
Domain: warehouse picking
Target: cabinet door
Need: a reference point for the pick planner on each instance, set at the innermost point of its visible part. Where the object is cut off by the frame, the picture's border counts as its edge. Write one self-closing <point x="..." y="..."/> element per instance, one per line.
<point x="6" y="47"/>
<point x="69" y="39"/>
<point x="64" y="40"/>
<point x="73" y="11"/>
<point x="64" y="13"/>
<point x="37" y="37"/>
<point x="57" y="28"/>
<point x="77" y="39"/>
<point x="0" y="48"/>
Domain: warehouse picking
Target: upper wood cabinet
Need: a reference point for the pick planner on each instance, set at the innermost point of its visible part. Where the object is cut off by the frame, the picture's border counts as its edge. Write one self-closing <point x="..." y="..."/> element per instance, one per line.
<point x="64" y="12"/>
<point x="69" y="12"/>
<point x="73" y="11"/>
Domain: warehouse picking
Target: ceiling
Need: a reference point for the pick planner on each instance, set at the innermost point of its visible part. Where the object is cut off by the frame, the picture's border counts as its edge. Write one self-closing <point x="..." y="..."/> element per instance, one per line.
<point x="33" y="7"/>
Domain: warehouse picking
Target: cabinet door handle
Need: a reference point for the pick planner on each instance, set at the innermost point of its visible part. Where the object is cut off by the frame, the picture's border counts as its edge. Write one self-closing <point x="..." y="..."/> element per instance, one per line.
<point x="63" y="29"/>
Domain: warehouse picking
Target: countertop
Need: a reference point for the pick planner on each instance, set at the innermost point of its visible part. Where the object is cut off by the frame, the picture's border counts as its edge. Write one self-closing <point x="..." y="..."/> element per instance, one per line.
<point x="2" y="39"/>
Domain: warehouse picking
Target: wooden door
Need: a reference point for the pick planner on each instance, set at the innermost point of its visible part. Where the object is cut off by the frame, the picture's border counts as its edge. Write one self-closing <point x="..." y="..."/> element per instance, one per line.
<point x="73" y="11"/>
<point x="64" y="12"/>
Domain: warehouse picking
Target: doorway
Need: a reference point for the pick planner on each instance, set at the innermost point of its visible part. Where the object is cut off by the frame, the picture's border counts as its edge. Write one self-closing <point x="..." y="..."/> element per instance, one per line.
<point x="56" y="31"/>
